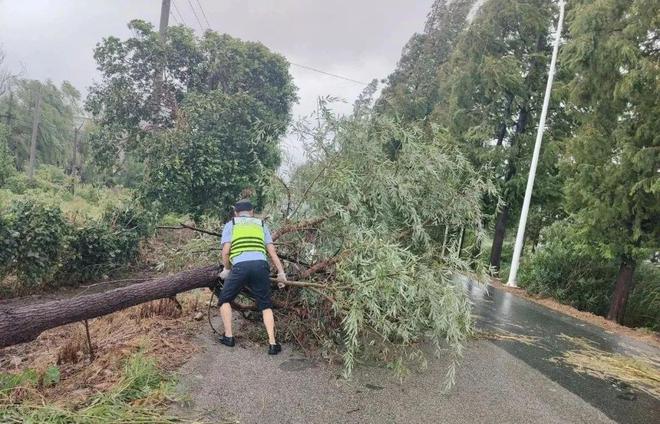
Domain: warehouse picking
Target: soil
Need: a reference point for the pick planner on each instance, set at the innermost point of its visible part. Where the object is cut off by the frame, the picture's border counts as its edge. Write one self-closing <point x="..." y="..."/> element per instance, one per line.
<point x="644" y="335"/>
<point x="159" y="329"/>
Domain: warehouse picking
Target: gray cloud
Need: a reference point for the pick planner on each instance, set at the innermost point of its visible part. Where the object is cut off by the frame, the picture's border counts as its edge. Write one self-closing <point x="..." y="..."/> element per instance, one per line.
<point x="359" y="39"/>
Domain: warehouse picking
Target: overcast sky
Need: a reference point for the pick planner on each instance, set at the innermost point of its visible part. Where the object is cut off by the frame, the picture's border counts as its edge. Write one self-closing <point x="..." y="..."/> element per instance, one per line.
<point x="359" y="39"/>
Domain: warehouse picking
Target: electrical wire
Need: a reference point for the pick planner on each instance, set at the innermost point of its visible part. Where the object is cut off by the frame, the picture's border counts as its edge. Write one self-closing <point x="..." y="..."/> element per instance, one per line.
<point x="196" y="17"/>
<point x="329" y="74"/>
<point x="176" y="9"/>
<point x="208" y="25"/>
<point x="309" y="68"/>
<point x="172" y="15"/>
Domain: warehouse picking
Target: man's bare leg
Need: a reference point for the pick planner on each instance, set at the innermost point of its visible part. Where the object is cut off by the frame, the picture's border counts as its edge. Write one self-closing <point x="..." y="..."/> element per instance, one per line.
<point x="225" y="313"/>
<point x="269" y="322"/>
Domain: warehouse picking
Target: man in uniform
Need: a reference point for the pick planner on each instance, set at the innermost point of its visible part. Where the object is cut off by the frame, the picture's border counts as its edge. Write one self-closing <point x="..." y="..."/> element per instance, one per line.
<point x="246" y="241"/>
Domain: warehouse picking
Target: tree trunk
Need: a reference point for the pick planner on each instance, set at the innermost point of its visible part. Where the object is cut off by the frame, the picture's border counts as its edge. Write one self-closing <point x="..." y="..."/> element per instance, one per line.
<point x="622" y="289"/>
<point x="24" y="323"/>
<point x="498" y="239"/>
<point x="35" y="130"/>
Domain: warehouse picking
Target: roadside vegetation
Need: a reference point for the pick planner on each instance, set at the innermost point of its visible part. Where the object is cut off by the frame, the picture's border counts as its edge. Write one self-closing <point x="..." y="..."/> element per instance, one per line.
<point x="421" y="182"/>
<point x="128" y="376"/>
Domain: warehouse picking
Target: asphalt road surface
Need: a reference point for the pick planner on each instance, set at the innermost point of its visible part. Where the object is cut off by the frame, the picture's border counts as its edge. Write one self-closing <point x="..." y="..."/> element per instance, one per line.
<point x="503" y="380"/>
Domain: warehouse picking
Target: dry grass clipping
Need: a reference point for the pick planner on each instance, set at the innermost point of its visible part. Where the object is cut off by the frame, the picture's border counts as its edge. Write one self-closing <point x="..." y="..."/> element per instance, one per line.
<point x="500" y="334"/>
<point x="640" y="372"/>
<point x="157" y="328"/>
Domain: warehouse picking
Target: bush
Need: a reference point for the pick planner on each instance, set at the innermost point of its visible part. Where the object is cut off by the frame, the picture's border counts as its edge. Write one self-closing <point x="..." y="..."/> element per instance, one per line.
<point x="38" y="246"/>
<point x="17" y="183"/>
<point x="130" y="224"/>
<point x="35" y="237"/>
<point x="571" y="271"/>
<point x="643" y="309"/>
<point x="94" y="252"/>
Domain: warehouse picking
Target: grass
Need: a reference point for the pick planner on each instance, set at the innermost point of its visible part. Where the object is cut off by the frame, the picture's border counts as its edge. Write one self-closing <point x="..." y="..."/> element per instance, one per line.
<point x="141" y="396"/>
<point x="504" y="335"/>
<point x="136" y="351"/>
<point x="639" y="372"/>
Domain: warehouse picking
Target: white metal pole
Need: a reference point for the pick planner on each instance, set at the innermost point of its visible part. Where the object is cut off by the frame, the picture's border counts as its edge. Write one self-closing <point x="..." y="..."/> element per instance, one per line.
<point x="520" y="236"/>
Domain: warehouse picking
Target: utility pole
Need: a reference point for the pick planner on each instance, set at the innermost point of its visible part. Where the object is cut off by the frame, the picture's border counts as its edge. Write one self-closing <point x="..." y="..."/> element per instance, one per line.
<point x="162" y="32"/>
<point x="520" y="236"/>
<point x="35" y="129"/>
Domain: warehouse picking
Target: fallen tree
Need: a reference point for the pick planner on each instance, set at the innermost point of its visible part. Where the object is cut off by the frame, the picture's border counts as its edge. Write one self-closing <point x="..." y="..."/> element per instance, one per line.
<point x="24" y="323"/>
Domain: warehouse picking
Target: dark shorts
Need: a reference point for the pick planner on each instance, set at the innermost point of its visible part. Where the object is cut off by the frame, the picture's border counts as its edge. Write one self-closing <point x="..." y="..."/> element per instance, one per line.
<point x="254" y="274"/>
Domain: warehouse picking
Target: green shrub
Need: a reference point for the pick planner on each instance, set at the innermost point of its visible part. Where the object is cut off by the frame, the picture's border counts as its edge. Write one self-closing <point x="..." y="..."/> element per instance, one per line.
<point x="130" y="224"/>
<point x="94" y="251"/>
<point x="643" y="308"/>
<point x="17" y="183"/>
<point x="52" y="175"/>
<point x="37" y="237"/>
<point x="575" y="273"/>
<point x="39" y="247"/>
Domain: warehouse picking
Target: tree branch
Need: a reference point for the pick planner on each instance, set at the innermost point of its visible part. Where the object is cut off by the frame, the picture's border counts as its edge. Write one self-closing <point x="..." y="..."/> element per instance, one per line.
<point x="183" y="226"/>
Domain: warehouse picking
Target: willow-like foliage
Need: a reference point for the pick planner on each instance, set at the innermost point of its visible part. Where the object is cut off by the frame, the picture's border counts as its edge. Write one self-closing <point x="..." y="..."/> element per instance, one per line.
<point x="389" y="192"/>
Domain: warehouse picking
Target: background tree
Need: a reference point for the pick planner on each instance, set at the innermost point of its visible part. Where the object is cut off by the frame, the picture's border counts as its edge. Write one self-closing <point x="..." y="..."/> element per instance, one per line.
<point x="123" y="103"/>
<point x="57" y="114"/>
<point x="6" y="161"/>
<point x="412" y="89"/>
<point x="613" y="188"/>
<point x="491" y="92"/>
<point x="219" y="147"/>
<point x="6" y="77"/>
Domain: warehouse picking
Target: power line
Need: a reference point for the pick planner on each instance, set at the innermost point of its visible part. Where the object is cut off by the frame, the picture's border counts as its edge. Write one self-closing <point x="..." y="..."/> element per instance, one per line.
<point x="208" y="25"/>
<point x="175" y="18"/>
<point x="196" y="17"/>
<point x="176" y="9"/>
<point x="329" y="74"/>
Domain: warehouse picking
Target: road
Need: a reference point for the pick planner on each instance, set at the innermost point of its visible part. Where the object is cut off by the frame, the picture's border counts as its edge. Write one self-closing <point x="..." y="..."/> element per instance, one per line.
<point x="508" y="379"/>
<point x="552" y="332"/>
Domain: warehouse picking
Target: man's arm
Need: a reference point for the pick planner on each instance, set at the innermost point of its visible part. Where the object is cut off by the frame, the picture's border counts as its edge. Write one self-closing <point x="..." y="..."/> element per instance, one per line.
<point x="270" y="248"/>
<point x="272" y="252"/>
<point x="225" y="241"/>
<point x="226" y="247"/>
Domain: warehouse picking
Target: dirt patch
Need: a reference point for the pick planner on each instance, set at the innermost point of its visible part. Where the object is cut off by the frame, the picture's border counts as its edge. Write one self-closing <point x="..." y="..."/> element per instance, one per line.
<point x="644" y="335"/>
<point x="162" y="329"/>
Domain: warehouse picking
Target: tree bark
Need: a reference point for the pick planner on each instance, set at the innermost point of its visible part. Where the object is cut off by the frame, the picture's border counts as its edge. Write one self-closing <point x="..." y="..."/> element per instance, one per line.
<point x="498" y="239"/>
<point x="622" y="289"/>
<point x="24" y="323"/>
<point x="35" y="130"/>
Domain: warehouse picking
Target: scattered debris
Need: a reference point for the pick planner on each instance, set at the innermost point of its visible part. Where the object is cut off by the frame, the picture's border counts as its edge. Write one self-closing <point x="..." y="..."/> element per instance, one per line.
<point x="639" y="372"/>
<point x="501" y="334"/>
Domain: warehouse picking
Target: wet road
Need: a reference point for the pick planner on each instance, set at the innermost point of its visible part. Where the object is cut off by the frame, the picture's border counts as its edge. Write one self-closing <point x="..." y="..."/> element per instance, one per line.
<point x="535" y="335"/>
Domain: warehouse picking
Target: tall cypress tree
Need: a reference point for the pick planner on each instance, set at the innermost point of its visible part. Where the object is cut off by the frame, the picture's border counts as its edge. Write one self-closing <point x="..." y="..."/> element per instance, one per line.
<point x="491" y="91"/>
<point x="612" y="162"/>
<point x="412" y="89"/>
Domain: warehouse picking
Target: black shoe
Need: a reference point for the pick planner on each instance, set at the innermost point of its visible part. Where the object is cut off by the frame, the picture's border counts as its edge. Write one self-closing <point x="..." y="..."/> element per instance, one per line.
<point x="227" y="341"/>
<point x="274" y="349"/>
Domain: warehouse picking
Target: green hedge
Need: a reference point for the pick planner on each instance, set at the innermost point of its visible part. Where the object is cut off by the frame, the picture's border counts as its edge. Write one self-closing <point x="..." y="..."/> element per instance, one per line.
<point x="569" y="270"/>
<point x="39" y="247"/>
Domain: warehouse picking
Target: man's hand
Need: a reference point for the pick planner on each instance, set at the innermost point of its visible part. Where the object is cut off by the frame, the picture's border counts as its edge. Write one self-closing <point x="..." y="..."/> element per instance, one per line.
<point x="281" y="279"/>
<point x="224" y="273"/>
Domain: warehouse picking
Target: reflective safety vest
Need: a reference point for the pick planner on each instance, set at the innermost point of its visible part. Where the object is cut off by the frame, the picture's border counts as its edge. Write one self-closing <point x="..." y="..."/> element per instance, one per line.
<point x="247" y="236"/>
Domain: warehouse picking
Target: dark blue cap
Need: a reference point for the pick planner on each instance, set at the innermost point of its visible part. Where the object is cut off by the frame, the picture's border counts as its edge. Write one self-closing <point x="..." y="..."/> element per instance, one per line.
<point x="243" y="206"/>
